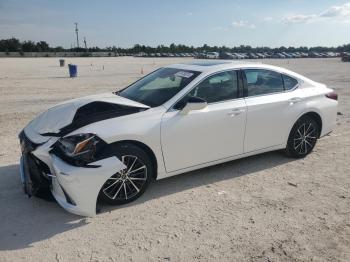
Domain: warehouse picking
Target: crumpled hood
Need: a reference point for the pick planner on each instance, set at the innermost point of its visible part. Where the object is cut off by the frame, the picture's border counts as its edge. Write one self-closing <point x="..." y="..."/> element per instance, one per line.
<point x="64" y="114"/>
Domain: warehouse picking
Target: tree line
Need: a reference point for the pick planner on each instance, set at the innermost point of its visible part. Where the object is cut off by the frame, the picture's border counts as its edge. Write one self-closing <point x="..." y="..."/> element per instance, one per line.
<point x="15" y="45"/>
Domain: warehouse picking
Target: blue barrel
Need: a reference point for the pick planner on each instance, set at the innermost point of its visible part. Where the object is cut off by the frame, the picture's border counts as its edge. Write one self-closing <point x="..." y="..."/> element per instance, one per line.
<point x="73" y="70"/>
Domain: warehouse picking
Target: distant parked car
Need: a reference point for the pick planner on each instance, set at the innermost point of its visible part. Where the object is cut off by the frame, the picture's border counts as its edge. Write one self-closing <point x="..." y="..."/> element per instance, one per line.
<point x="296" y="55"/>
<point x="287" y="55"/>
<point x="315" y="55"/>
<point x="253" y="56"/>
<point x="141" y="54"/>
<point x="260" y="55"/>
<point x="278" y="55"/>
<point x="245" y="56"/>
<point x="200" y="55"/>
<point x="227" y="55"/>
<point x="212" y="55"/>
<point x="238" y="55"/>
<point x="345" y="57"/>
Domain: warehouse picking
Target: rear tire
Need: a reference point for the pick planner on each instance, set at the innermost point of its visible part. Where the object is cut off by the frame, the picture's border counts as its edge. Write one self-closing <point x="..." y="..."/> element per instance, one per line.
<point x="302" y="138"/>
<point x="128" y="184"/>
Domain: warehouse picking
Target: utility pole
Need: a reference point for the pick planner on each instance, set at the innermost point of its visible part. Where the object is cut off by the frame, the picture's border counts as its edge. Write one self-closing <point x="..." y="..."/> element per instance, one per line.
<point x="76" y="32"/>
<point x="85" y="44"/>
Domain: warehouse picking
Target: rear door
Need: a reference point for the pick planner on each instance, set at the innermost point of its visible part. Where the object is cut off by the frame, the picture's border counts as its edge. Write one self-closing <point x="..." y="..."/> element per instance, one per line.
<point x="274" y="102"/>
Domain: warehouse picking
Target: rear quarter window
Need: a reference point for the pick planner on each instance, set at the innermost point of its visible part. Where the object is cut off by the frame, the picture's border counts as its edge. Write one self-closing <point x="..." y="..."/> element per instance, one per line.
<point x="289" y="82"/>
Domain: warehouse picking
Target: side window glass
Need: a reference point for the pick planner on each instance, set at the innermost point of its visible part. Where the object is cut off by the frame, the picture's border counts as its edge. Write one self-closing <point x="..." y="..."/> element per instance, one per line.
<point x="289" y="82"/>
<point x="219" y="87"/>
<point x="261" y="82"/>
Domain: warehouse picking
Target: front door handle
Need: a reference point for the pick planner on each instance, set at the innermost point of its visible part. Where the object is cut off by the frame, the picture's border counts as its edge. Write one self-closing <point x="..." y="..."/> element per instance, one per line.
<point x="295" y="100"/>
<point x="236" y="112"/>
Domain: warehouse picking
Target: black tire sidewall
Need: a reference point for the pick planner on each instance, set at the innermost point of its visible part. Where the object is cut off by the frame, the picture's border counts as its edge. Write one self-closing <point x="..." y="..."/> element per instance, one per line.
<point x="290" y="150"/>
<point x="131" y="149"/>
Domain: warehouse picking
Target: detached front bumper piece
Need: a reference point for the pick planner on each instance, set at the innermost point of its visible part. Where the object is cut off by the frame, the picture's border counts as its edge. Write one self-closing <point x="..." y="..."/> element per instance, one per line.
<point x="76" y="189"/>
<point x="25" y="178"/>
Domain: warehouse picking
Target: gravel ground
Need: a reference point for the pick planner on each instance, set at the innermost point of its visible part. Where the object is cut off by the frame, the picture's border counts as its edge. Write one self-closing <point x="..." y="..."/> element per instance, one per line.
<point x="262" y="208"/>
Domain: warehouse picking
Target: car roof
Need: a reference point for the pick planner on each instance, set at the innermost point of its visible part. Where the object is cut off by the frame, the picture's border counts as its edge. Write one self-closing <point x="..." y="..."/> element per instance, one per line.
<point x="212" y="66"/>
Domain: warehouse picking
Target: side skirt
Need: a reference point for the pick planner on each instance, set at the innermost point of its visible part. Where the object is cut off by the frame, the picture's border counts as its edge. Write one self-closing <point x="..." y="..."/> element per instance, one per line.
<point x="220" y="161"/>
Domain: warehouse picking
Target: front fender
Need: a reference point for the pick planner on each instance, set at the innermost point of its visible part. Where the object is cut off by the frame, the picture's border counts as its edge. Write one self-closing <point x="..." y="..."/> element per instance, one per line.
<point x="81" y="185"/>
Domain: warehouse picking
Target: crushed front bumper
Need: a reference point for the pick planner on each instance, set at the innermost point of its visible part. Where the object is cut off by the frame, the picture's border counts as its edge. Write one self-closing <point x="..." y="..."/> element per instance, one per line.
<point x="75" y="188"/>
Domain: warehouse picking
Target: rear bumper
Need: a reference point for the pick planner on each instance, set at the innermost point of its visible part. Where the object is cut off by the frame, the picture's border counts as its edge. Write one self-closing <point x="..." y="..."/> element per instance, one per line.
<point x="329" y="117"/>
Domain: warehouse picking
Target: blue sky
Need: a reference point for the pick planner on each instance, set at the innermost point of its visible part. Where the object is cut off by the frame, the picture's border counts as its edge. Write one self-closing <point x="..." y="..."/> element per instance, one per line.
<point x="153" y="22"/>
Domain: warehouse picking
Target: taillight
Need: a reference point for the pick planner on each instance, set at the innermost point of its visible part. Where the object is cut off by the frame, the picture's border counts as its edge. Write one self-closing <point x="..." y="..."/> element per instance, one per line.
<point x="332" y="95"/>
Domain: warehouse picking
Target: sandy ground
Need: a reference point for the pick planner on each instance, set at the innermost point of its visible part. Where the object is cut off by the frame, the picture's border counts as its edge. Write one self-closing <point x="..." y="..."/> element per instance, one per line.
<point x="263" y="208"/>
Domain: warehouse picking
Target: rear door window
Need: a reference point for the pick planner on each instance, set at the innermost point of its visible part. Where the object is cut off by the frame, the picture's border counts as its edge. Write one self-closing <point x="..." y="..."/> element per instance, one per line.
<point x="262" y="81"/>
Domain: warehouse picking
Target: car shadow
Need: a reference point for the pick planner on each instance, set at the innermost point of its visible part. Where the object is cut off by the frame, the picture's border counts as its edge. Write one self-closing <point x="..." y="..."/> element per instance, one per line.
<point x="23" y="221"/>
<point x="206" y="176"/>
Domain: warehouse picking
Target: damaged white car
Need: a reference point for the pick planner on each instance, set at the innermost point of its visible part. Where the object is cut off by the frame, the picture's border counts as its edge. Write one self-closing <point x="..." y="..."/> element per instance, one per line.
<point x="176" y="119"/>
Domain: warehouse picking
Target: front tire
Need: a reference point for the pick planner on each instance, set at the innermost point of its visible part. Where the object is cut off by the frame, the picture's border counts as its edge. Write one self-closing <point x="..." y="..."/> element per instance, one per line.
<point x="128" y="184"/>
<point x="303" y="137"/>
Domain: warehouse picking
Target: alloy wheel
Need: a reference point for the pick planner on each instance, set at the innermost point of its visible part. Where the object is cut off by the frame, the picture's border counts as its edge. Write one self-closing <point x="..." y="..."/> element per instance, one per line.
<point x="128" y="182"/>
<point x="305" y="139"/>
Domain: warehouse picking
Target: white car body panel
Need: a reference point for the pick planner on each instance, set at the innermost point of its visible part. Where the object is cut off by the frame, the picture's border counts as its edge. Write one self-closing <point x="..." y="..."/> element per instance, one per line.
<point x="268" y="118"/>
<point x="201" y="136"/>
<point x="221" y="132"/>
<point x="146" y="129"/>
<point x="326" y="108"/>
<point x="82" y="184"/>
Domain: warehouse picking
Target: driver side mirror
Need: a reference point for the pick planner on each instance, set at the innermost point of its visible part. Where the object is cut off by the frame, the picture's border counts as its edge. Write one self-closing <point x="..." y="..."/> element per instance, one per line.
<point x="193" y="103"/>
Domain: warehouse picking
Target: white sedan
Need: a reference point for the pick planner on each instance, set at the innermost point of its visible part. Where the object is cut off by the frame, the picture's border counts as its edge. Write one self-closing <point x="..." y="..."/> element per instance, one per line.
<point x="176" y="119"/>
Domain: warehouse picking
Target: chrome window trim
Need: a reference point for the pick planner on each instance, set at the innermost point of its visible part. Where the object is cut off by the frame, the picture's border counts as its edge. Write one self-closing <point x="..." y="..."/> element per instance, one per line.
<point x="274" y="93"/>
<point x="294" y="87"/>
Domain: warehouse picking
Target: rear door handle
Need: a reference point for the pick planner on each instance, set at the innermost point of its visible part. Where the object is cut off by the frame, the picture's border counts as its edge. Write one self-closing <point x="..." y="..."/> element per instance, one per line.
<point x="295" y="100"/>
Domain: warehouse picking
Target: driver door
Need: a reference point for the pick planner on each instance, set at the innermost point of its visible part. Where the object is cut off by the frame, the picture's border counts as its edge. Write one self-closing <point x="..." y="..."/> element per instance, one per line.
<point x="213" y="133"/>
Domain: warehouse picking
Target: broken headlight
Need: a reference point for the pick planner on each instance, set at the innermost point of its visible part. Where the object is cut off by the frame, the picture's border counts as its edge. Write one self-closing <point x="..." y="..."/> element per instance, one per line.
<point x="78" y="149"/>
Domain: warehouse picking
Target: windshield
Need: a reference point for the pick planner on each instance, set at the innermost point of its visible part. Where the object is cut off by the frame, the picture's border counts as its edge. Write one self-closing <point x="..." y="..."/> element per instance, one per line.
<point x="159" y="86"/>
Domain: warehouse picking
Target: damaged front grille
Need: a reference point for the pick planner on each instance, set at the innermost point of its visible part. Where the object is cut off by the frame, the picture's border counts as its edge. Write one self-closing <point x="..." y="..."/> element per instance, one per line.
<point x="37" y="182"/>
<point x="37" y="167"/>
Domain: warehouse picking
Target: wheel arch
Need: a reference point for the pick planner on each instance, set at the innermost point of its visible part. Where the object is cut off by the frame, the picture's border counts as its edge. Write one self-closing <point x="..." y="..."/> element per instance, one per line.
<point x="310" y="114"/>
<point x="144" y="147"/>
<point x="315" y="116"/>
